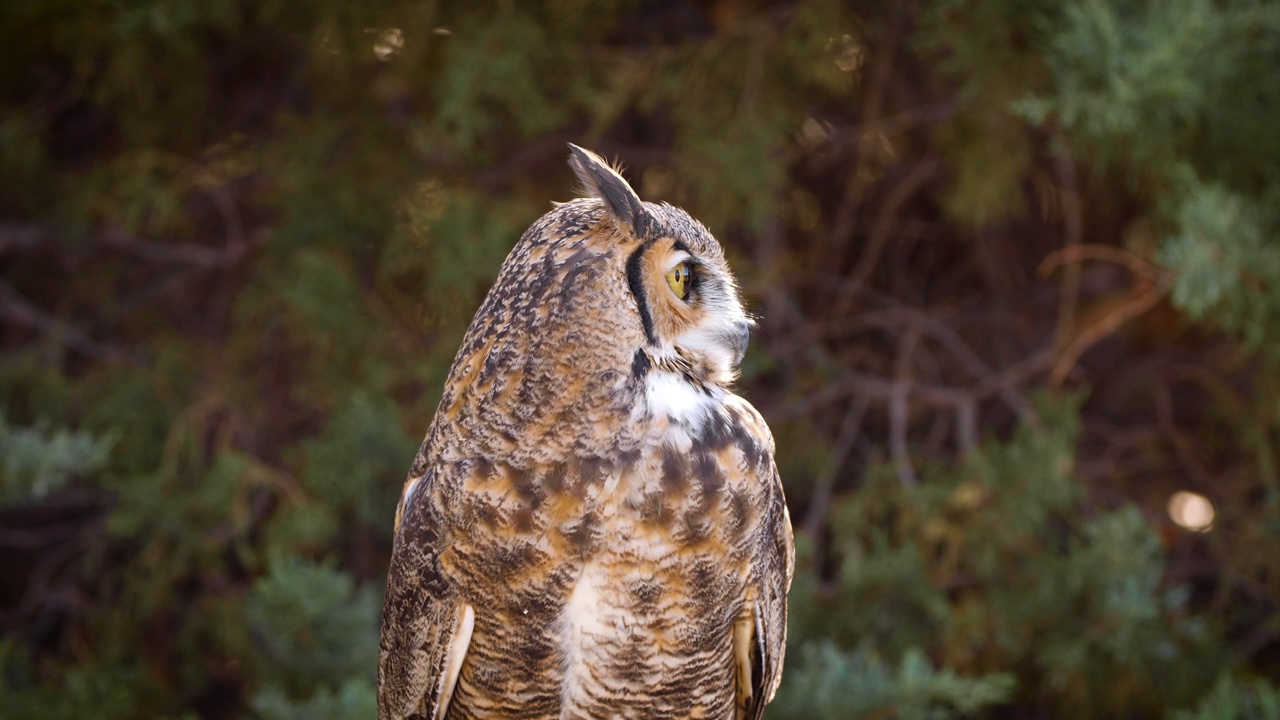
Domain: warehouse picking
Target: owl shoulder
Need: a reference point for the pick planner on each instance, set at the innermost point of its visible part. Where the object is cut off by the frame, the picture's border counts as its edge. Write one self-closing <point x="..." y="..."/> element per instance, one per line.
<point x="746" y="417"/>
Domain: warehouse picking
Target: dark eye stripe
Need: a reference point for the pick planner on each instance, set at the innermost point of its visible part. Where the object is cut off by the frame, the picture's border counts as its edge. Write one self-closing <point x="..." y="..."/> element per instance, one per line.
<point x="635" y="280"/>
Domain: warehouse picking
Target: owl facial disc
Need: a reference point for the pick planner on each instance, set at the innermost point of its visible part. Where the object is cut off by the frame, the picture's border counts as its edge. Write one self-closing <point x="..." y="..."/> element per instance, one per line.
<point x="686" y="297"/>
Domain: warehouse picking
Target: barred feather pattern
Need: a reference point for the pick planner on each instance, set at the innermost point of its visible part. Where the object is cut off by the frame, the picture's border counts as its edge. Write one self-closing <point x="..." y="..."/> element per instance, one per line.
<point x="606" y="548"/>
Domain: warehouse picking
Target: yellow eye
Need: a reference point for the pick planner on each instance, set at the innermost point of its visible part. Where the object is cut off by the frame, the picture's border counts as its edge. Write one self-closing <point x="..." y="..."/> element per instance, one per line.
<point x="678" y="278"/>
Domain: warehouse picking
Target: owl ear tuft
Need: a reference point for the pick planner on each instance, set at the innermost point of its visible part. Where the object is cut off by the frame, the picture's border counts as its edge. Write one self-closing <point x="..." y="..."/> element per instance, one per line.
<point x="602" y="181"/>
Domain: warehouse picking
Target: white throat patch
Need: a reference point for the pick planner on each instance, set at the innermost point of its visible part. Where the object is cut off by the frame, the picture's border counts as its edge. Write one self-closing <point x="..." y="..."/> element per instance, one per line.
<point x="670" y="394"/>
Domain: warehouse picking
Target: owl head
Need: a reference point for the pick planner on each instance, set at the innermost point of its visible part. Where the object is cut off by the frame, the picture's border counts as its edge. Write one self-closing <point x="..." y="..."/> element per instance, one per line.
<point x="608" y="311"/>
<point x="686" y="297"/>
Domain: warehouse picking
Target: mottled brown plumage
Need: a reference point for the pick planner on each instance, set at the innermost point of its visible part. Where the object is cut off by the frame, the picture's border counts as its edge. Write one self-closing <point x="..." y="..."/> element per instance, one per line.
<point x="594" y="526"/>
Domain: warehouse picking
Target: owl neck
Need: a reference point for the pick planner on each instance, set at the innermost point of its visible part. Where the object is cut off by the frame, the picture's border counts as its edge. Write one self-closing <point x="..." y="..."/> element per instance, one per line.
<point x="675" y="392"/>
<point x="672" y="395"/>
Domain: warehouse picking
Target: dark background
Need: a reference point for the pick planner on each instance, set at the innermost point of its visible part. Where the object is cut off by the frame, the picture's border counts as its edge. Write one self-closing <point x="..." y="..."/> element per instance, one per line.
<point x="1015" y="261"/>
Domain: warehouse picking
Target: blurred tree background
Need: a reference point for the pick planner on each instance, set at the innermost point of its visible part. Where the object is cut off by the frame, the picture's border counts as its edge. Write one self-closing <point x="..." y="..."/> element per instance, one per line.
<point x="1016" y="262"/>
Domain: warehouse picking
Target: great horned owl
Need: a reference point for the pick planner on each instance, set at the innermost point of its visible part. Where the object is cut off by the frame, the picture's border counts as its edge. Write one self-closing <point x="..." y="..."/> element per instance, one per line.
<point x="594" y="526"/>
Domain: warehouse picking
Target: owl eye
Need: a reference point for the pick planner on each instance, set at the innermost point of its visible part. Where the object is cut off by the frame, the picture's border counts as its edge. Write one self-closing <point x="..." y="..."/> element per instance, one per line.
<point x="678" y="278"/>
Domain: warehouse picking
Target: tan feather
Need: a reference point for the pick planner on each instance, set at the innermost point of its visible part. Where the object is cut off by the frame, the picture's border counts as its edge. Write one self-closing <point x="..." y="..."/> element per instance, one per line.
<point x="594" y="525"/>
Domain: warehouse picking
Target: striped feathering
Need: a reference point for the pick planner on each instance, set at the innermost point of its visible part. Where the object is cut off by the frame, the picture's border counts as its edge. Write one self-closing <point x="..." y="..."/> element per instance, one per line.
<point x="594" y="526"/>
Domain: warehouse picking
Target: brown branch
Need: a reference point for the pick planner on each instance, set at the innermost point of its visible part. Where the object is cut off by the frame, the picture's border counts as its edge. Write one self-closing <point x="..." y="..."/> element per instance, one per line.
<point x="1236" y="406"/>
<point x="1264" y="634"/>
<point x="936" y="328"/>
<point x="841" y="138"/>
<point x="1182" y="448"/>
<point x="40" y="590"/>
<point x="882" y="63"/>
<point x="979" y="369"/>
<point x="1073" y="235"/>
<point x="919" y="174"/>
<point x="1139" y="303"/>
<point x="846" y="220"/>
<point x="967" y="425"/>
<point x="881" y="389"/>
<point x="179" y="253"/>
<point x="22" y="311"/>
<point x="16" y="237"/>
<point x="552" y="146"/>
<point x="232" y="222"/>
<point x="845" y="224"/>
<point x="846" y="439"/>
<point x="1154" y="281"/>
<point x="1092" y="251"/>
<point x="1015" y="374"/>
<point x="898" y="411"/>
<point x="1119" y="444"/>
<point x="47" y="534"/>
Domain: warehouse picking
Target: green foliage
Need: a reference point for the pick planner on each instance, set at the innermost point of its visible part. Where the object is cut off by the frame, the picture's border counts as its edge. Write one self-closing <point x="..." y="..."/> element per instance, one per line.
<point x="992" y="566"/>
<point x="93" y="690"/>
<point x="492" y="80"/>
<point x="986" y="49"/>
<point x="362" y="444"/>
<point x="1226" y="253"/>
<point x="313" y="629"/>
<point x="239" y="244"/>
<point x="1138" y="71"/>
<point x="1233" y="699"/>
<point x="826" y="682"/>
<point x="1142" y="85"/>
<point x="36" y="461"/>
<point x="465" y="243"/>
<point x="355" y="698"/>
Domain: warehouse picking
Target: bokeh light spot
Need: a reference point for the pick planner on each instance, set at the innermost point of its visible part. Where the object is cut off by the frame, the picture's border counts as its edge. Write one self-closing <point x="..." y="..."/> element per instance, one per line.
<point x="389" y="43"/>
<point x="1191" y="511"/>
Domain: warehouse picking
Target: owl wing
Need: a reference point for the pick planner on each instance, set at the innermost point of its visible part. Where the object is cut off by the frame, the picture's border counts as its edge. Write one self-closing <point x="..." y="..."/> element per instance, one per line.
<point x="770" y="612"/>
<point x="760" y="637"/>
<point x="426" y="628"/>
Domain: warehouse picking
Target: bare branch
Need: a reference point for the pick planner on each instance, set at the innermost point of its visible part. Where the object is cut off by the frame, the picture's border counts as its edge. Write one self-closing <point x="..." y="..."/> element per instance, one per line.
<point x="967" y="425"/>
<point x="179" y="253"/>
<point x="22" y="311"/>
<point x="1182" y="448"/>
<point x="898" y="411"/>
<point x="877" y="80"/>
<point x="846" y="439"/>
<point x="1073" y="235"/>
<point x="16" y="237"/>
<point x="919" y="174"/>
<point x="1109" y="253"/>
<point x="843" y="138"/>
<point x="1140" y="302"/>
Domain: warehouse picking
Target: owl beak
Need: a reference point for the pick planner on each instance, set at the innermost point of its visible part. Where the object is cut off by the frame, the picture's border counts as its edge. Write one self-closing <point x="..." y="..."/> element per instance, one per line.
<point x="739" y="340"/>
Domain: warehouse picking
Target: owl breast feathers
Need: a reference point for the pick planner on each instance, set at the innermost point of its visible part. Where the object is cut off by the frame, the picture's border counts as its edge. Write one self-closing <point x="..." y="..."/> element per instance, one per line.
<point x="594" y="526"/>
